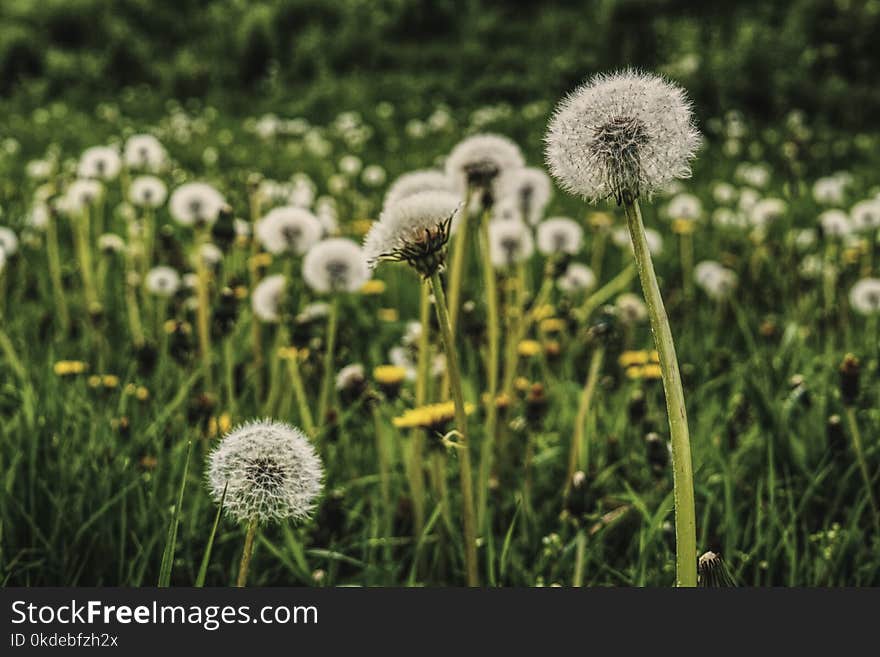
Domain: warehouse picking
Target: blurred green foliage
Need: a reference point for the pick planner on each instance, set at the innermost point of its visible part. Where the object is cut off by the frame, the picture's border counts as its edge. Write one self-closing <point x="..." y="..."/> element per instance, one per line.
<point x="314" y="55"/>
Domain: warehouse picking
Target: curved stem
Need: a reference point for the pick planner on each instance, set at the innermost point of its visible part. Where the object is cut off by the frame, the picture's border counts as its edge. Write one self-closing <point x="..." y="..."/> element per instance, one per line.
<point x="683" y="478"/>
<point x="467" y="493"/>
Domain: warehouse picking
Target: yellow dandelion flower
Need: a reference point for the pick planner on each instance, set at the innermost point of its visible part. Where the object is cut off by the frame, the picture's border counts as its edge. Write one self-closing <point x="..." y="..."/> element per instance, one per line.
<point x="373" y="287"/>
<point x="110" y="381"/>
<point x="543" y="312"/>
<point x="130" y="389"/>
<point x="598" y="220"/>
<point x="630" y="358"/>
<point x="552" y="325"/>
<point x="69" y="367"/>
<point x="431" y="416"/>
<point x="219" y="426"/>
<point x="683" y="226"/>
<point x="851" y="255"/>
<point x="652" y="371"/>
<point x="521" y="383"/>
<point x="289" y="353"/>
<point x="142" y="393"/>
<point x="635" y="372"/>
<point x="173" y="325"/>
<point x="389" y="374"/>
<point x="94" y="381"/>
<point x="240" y="292"/>
<point x="260" y="260"/>
<point x="528" y="348"/>
<point x="388" y="315"/>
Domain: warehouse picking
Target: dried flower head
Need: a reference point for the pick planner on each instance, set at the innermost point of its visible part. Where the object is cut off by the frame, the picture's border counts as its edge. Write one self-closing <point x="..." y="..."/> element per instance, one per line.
<point x="289" y="229"/>
<point x="195" y="203"/>
<point x="559" y="235"/>
<point x="269" y="470"/>
<point x="621" y="136"/>
<point x="529" y="189"/>
<point x="510" y="242"/>
<point x="147" y="192"/>
<point x="478" y="161"/>
<point x="414" y="230"/>
<point x="162" y="281"/>
<point x="335" y="265"/>
<point x="267" y="297"/>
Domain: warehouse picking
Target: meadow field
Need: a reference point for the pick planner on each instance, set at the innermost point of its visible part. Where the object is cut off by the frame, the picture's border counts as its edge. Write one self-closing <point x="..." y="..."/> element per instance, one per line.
<point x="179" y="270"/>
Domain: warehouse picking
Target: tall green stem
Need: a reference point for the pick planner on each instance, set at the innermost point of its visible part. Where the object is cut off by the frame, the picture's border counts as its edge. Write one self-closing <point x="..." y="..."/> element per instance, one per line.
<point x="332" y="322"/>
<point x="467" y="493"/>
<point x="417" y="440"/>
<point x="245" y="565"/>
<point x="579" y="448"/>
<point x="683" y="479"/>
<point x="863" y="466"/>
<point x="54" y="256"/>
<point x="492" y="361"/>
<point x="203" y="316"/>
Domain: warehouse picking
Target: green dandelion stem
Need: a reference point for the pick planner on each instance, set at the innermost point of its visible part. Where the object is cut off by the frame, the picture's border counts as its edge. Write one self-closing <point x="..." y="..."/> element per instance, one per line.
<point x="417" y="441"/>
<point x="579" y="451"/>
<point x="245" y="565"/>
<point x="329" y="369"/>
<point x="203" y="316"/>
<point x="171" y="538"/>
<point x="863" y="464"/>
<point x="611" y="289"/>
<point x="683" y="479"/>
<point x="299" y="392"/>
<point x="580" y="558"/>
<point x="53" y="254"/>
<point x="206" y="559"/>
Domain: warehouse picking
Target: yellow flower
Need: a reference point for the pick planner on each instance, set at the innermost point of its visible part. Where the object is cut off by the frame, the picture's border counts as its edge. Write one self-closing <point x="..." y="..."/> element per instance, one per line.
<point x="552" y="325"/>
<point x="543" y="312"/>
<point x="683" y="226"/>
<point x="361" y="227"/>
<point x="94" y="381"/>
<point x="142" y="393"/>
<point x="521" y="383"/>
<point x="647" y="371"/>
<point x="69" y="367"/>
<point x="240" y="292"/>
<point x="260" y="260"/>
<point x="289" y="353"/>
<point x="173" y="325"/>
<point x="218" y="426"/>
<point x="110" y="380"/>
<point x="389" y="374"/>
<point x="388" y="314"/>
<point x="598" y="220"/>
<point x="852" y="254"/>
<point x="432" y="416"/>
<point x="373" y="287"/>
<point x="528" y="348"/>
<point x="130" y="389"/>
<point x="642" y="357"/>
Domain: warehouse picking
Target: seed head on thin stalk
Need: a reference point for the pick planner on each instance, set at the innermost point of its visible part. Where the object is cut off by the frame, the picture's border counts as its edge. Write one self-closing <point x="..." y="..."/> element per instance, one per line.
<point x="528" y="189"/>
<point x="101" y="162"/>
<point x="289" y="229"/>
<point x="864" y="297"/>
<point x="510" y="242"/>
<point x="476" y="163"/>
<point x="559" y="235"/>
<point x="335" y="265"/>
<point x="147" y="192"/>
<point x="267" y="298"/>
<point x="195" y="203"/>
<point x="145" y="153"/>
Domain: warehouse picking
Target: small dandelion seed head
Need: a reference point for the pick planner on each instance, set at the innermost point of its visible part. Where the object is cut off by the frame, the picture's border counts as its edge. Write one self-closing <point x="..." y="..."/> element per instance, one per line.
<point x="576" y="278"/>
<point x="510" y="242"/>
<point x="335" y="265"/>
<point x="100" y="162"/>
<point x="144" y="153"/>
<point x="111" y="243"/>
<point x="766" y="211"/>
<point x="351" y="376"/>
<point x="685" y="206"/>
<point x="8" y="241"/>
<point x="289" y="229"/>
<point x="269" y="470"/>
<point x="865" y="215"/>
<point x="621" y="136"/>
<point x="414" y="230"/>
<point x="478" y="161"/>
<point x="559" y="235"/>
<point x="81" y="194"/>
<point x="631" y="308"/>
<point x="864" y="296"/>
<point x="267" y="298"/>
<point x="835" y="223"/>
<point x="415" y="182"/>
<point x="162" y="281"/>
<point x="195" y="203"/>
<point x="147" y="192"/>
<point x="716" y="280"/>
<point x="529" y="189"/>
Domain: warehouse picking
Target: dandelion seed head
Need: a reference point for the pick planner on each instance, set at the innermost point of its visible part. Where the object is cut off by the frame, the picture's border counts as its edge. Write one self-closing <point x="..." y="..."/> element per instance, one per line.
<point x="559" y="235"/>
<point x="81" y="194"/>
<point x="8" y="241"/>
<point x="147" y="192"/>
<point x="685" y="206"/>
<point x="144" y="153"/>
<point x="766" y="211"/>
<point x="528" y="189"/>
<point x="415" y="182"/>
<point x="510" y="242"/>
<point x="267" y="297"/>
<point x="289" y="229"/>
<point x="100" y="162"/>
<point x="864" y="296"/>
<point x="621" y="136"/>
<point x="865" y="215"/>
<point x="269" y="470"/>
<point x="194" y="203"/>
<point x="835" y="223"/>
<point x="830" y="190"/>
<point x="350" y="376"/>
<point x="577" y="278"/>
<point x="162" y="281"/>
<point x="622" y="239"/>
<point x="111" y="243"/>
<point x="631" y="308"/>
<point x="716" y="280"/>
<point x="478" y="161"/>
<point x="335" y="265"/>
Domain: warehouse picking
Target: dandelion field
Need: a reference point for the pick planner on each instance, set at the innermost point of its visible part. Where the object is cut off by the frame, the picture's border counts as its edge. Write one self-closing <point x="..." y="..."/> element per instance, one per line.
<point x="144" y="319"/>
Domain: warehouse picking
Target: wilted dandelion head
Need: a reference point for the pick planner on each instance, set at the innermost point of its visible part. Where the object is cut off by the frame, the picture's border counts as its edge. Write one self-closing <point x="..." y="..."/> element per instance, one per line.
<point x="267" y="297"/>
<point x="510" y="242"/>
<point x="864" y="297"/>
<point x="289" y="229"/>
<point x="577" y="278"/>
<point x="162" y="281"/>
<point x="81" y="194"/>
<point x="621" y="136"/>
<point x="195" y="203"/>
<point x="529" y="189"/>
<point x="100" y="162"/>
<point x="559" y="235"/>
<point x="147" y="192"/>
<point x="478" y="161"/>
<point x="144" y="153"/>
<point x="269" y="470"/>
<point x="335" y="265"/>
<point x="8" y="241"/>
<point x="414" y="230"/>
<point x="716" y="280"/>
<point x="415" y="182"/>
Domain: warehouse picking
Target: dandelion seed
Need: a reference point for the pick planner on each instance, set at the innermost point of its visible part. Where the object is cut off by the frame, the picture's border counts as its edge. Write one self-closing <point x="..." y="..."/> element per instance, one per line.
<point x="162" y="281"/>
<point x="288" y="229"/>
<point x="147" y="192"/>
<point x="195" y="203"/>
<point x="510" y="242"/>
<point x="335" y="265"/>
<point x="101" y="162"/>
<point x="267" y="298"/>
<point x="559" y="235"/>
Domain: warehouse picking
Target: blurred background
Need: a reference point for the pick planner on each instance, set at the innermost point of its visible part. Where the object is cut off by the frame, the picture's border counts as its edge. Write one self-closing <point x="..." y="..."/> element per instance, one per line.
<point x="310" y="57"/>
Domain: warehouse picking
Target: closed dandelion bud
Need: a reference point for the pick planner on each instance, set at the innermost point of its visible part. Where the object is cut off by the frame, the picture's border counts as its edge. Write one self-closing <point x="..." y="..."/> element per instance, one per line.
<point x="580" y="500"/>
<point x="223" y="230"/>
<point x="837" y="442"/>
<point x="712" y="572"/>
<point x="638" y="406"/>
<point x="849" y="380"/>
<point x="657" y="453"/>
<point x="536" y="404"/>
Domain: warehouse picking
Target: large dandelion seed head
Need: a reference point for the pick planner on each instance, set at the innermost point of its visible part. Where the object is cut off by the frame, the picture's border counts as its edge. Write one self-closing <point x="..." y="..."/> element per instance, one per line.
<point x="510" y="242"/>
<point x="335" y="265"/>
<point x="269" y="470"/>
<point x="478" y="161"/>
<point x="621" y="136"/>
<point x="147" y="192"/>
<point x="289" y="229"/>
<point x="144" y="153"/>
<point x="195" y="203"/>
<point x="864" y="297"/>
<point x="559" y="235"/>
<point x="415" y="182"/>
<point x="527" y="188"/>
<point x="414" y="230"/>
<point x="162" y="281"/>
<point x="267" y="297"/>
<point x="101" y="162"/>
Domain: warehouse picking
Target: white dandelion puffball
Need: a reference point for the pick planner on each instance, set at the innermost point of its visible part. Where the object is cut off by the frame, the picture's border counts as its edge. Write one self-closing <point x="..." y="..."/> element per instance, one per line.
<point x="631" y="308"/>
<point x="8" y="241"/>
<point x="622" y="239"/>
<point x="267" y="297"/>
<point x="195" y="202"/>
<point x="39" y="217"/>
<point x="724" y="193"/>
<point x="81" y="194"/>
<point x="162" y="281"/>
<point x="559" y="235"/>
<point x="835" y="223"/>
<point x="415" y="230"/>
<point x="289" y="229"/>
<point x="510" y="242"/>
<point x="111" y="243"/>
<point x="766" y="211"/>
<point x="350" y="376"/>
<point x="269" y="470"/>
<point x="211" y="254"/>
<point x="577" y="278"/>
<point x="399" y="356"/>
<point x="102" y="162"/>
<point x="147" y="192"/>
<point x="864" y="297"/>
<point x="414" y="182"/>
<point x="144" y="153"/>
<point x="865" y="215"/>
<point x="621" y="136"/>
<point x="685" y="206"/>
<point x="335" y="265"/>
<point x="527" y="188"/>
<point x="748" y="198"/>
<point x="507" y="209"/>
<point x="716" y="280"/>
<point x="374" y="175"/>
<point x="728" y="218"/>
<point x="478" y="161"/>
<point x="829" y="191"/>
